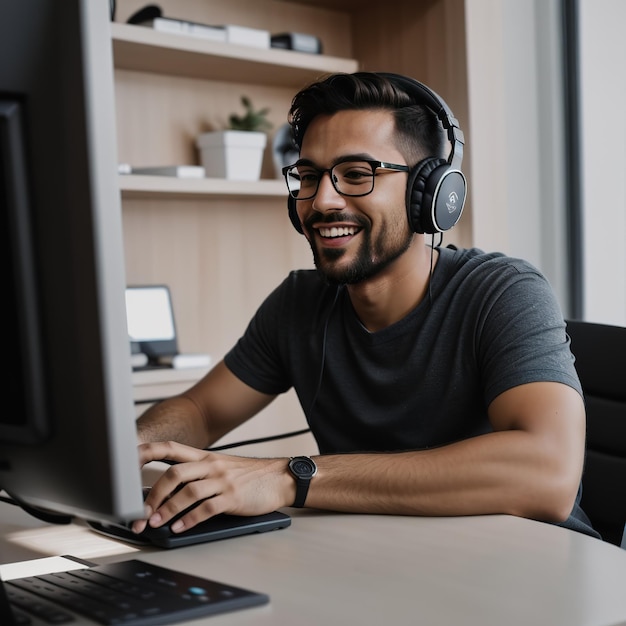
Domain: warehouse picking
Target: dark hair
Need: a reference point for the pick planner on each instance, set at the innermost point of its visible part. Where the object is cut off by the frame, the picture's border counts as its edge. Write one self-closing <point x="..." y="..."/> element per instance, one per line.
<point x="419" y="132"/>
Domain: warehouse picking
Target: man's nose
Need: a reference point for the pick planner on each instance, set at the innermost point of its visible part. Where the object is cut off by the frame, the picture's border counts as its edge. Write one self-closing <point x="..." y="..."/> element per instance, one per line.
<point x="327" y="197"/>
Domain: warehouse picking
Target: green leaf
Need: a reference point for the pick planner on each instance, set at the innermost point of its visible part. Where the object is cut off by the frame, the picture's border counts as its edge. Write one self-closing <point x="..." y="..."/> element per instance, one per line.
<point x="251" y="120"/>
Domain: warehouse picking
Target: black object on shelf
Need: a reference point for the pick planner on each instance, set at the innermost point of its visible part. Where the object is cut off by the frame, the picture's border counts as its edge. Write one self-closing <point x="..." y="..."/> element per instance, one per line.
<point x="149" y="12"/>
<point x="298" y="42"/>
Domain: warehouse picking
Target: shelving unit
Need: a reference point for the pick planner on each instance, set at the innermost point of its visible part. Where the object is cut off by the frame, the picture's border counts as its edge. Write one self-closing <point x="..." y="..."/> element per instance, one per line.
<point x="142" y="49"/>
<point x="156" y="384"/>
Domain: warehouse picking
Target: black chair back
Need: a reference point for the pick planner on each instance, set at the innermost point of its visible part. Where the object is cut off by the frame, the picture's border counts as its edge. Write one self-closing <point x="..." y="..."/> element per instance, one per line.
<point x="600" y="352"/>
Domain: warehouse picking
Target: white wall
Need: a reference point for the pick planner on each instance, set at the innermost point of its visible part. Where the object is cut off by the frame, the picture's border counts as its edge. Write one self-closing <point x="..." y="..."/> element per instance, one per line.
<point x="517" y="144"/>
<point x="517" y="147"/>
<point x="603" y="108"/>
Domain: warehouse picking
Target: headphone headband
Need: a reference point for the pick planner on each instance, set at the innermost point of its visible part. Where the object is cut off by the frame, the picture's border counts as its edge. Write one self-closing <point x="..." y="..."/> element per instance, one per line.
<point x="427" y="97"/>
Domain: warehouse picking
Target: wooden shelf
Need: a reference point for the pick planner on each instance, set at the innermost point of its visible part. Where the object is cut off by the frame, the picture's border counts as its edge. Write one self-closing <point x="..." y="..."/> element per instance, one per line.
<point x="143" y="49"/>
<point x="156" y="384"/>
<point x="135" y="186"/>
<point x="159" y="376"/>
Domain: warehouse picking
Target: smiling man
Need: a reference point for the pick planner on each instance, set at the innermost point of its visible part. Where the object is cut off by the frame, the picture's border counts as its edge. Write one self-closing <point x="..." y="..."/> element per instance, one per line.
<point x="347" y="247"/>
<point x="436" y="381"/>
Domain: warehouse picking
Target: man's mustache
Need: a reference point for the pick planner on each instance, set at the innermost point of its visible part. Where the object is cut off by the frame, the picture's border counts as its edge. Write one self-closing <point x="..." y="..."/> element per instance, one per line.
<point x="334" y="218"/>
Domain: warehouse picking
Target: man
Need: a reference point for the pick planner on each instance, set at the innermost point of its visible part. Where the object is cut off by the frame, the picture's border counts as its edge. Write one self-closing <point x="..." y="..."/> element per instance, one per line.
<point x="435" y="381"/>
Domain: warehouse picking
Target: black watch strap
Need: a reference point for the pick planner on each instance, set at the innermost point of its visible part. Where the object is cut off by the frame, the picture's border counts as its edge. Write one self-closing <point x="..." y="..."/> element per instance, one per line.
<point x="302" y="469"/>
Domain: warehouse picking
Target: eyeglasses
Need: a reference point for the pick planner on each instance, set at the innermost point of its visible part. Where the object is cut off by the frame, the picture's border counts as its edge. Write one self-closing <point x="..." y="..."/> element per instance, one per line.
<point x="349" y="178"/>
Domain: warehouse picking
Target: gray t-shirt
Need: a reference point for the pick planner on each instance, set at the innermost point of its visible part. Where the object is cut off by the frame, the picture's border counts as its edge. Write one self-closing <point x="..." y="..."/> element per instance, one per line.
<point x="488" y="323"/>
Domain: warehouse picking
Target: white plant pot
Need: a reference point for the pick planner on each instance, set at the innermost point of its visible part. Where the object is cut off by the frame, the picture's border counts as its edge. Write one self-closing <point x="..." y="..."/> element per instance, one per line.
<point x="232" y="154"/>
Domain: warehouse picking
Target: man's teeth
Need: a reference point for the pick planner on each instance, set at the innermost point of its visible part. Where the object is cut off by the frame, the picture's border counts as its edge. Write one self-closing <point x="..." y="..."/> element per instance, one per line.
<point x="338" y="231"/>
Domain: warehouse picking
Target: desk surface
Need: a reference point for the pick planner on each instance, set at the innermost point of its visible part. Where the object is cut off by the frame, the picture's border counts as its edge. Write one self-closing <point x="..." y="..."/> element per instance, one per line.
<point x="335" y="569"/>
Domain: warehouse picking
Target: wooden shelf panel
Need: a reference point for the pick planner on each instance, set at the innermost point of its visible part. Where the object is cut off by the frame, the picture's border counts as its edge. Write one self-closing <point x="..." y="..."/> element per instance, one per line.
<point x="143" y="49"/>
<point x="150" y="385"/>
<point x="135" y="186"/>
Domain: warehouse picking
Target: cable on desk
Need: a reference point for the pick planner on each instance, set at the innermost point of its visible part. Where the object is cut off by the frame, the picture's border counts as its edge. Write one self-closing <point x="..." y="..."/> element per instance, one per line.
<point x="45" y="515"/>
<point x="246" y="442"/>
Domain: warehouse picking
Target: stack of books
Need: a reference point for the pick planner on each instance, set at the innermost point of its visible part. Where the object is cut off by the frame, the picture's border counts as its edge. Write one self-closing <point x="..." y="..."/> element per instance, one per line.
<point x="230" y="33"/>
<point x="178" y="171"/>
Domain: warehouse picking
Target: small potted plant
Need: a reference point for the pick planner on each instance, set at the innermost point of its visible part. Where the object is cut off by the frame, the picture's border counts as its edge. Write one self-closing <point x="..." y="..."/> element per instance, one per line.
<point x="236" y="153"/>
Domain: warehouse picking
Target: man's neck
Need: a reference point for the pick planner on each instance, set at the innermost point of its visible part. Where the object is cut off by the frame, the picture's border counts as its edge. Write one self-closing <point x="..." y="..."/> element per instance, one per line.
<point x="392" y="294"/>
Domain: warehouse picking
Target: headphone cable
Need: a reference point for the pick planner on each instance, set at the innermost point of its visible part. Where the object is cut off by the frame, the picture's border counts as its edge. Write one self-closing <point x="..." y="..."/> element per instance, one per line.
<point x="432" y="265"/>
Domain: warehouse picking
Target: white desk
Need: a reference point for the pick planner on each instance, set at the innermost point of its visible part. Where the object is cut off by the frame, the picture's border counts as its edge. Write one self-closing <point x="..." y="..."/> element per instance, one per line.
<point x="371" y="570"/>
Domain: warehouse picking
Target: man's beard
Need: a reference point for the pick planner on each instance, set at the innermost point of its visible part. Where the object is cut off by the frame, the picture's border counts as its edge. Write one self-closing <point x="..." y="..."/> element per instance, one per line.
<point x="372" y="257"/>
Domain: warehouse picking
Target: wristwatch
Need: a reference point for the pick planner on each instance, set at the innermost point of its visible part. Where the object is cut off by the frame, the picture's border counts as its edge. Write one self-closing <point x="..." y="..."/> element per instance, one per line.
<point x="303" y="469"/>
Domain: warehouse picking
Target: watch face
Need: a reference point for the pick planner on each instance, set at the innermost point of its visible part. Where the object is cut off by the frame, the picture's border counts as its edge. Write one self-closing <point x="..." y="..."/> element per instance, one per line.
<point x="303" y="467"/>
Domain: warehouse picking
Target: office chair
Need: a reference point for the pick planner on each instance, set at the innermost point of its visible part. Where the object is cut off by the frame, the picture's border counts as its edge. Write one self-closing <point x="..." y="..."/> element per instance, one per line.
<point x="600" y="352"/>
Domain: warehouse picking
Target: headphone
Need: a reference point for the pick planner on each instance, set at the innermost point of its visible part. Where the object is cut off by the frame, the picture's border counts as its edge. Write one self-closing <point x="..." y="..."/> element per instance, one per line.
<point x="436" y="187"/>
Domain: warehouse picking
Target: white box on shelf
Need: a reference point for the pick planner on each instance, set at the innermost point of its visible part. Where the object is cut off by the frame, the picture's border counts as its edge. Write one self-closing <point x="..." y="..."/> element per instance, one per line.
<point x="183" y="27"/>
<point x="244" y="36"/>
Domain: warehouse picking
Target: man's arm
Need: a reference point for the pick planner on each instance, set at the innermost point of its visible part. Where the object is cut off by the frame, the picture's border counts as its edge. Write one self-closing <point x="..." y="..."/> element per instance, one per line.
<point x="529" y="466"/>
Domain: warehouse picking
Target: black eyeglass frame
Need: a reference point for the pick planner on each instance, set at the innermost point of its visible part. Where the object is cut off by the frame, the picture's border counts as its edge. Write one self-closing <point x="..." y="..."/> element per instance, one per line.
<point x="375" y="165"/>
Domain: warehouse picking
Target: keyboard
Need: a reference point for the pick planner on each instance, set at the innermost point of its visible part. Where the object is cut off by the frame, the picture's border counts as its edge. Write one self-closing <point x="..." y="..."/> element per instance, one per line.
<point x="129" y="593"/>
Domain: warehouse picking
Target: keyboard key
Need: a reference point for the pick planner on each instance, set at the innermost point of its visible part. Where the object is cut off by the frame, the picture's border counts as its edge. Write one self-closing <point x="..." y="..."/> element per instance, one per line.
<point x="33" y="604"/>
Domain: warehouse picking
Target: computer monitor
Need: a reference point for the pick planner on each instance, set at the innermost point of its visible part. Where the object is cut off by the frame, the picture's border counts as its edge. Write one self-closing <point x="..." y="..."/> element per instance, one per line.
<point x="67" y="427"/>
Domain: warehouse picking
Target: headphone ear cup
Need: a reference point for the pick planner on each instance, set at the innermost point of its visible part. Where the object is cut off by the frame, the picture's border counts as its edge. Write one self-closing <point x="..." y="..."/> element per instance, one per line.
<point x="293" y="214"/>
<point x="435" y="196"/>
<point x="420" y="186"/>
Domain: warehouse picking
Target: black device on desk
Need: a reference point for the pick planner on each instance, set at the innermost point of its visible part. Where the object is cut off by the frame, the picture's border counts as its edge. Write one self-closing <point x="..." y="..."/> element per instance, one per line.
<point x="219" y="527"/>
